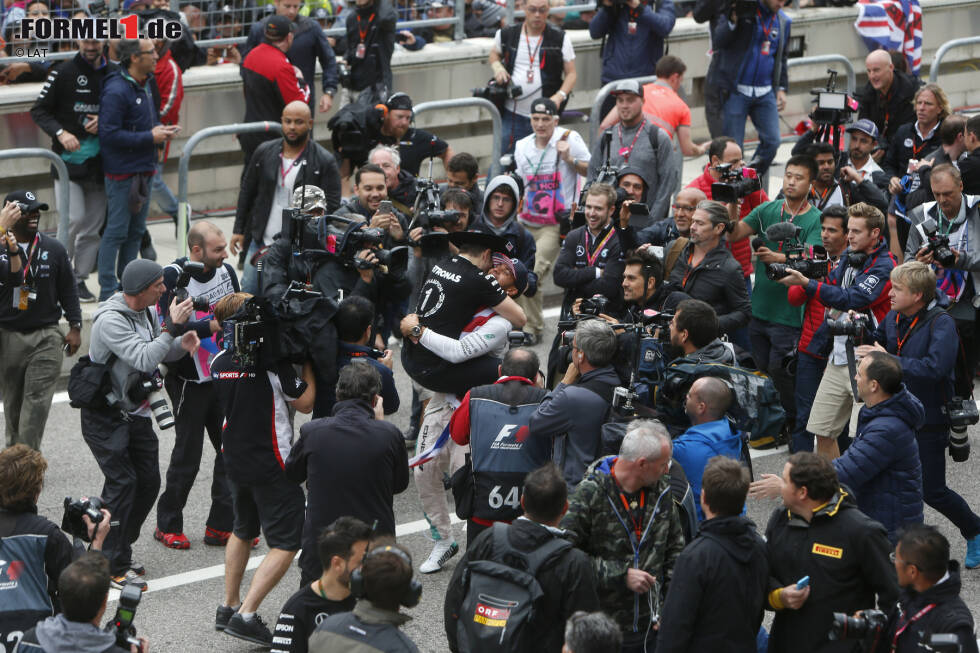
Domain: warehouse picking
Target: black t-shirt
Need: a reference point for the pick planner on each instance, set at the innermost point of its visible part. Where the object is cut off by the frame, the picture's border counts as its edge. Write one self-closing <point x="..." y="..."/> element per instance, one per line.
<point x="300" y="616"/>
<point x="415" y="147"/>
<point x="454" y="290"/>
<point x="258" y="432"/>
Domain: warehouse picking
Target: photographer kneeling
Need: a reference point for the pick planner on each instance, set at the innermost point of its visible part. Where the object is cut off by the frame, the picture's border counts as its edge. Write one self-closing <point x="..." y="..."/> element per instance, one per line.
<point x="84" y="590"/>
<point x="579" y="405"/>
<point x="35" y="541"/>
<point x="128" y="340"/>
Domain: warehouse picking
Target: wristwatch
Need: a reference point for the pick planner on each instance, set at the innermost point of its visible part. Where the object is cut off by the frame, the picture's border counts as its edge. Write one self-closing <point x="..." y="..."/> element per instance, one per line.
<point x="75" y="325"/>
<point x="416" y="331"/>
<point x="59" y="133"/>
<point x="563" y="94"/>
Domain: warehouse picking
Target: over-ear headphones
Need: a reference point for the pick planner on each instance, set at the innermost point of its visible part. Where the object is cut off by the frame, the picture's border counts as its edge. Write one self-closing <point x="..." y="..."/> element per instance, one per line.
<point x="412" y="594"/>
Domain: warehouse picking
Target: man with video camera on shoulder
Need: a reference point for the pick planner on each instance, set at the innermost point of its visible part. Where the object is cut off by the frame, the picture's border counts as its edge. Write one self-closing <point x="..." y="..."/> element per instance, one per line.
<point x="256" y="388"/>
<point x="37" y="542"/>
<point x="857" y="285"/>
<point x="204" y="277"/>
<point x="84" y="590"/>
<point x="129" y="343"/>
<point x="923" y="335"/>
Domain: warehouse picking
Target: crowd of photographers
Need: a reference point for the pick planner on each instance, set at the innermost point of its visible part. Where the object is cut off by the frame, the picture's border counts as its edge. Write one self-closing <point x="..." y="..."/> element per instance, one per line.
<point x="698" y="318"/>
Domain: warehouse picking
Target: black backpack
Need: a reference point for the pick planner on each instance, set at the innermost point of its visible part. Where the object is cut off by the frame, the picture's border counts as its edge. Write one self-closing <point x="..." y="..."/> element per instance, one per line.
<point x="355" y="129"/>
<point x="501" y="595"/>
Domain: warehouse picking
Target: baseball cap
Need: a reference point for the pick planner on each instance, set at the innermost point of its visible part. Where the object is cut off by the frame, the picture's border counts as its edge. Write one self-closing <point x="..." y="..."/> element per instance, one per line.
<point x="312" y="197"/>
<point x="627" y="86"/>
<point x="28" y="198"/>
<point x="321" y="13"/>
<point x="516" y="268"/>
<point x="544" y="105"/>
<point x="278" y="27"/>
<point x="399" y="101"/>
<point x="139" y="275"/>
<point x="864" y="126"/>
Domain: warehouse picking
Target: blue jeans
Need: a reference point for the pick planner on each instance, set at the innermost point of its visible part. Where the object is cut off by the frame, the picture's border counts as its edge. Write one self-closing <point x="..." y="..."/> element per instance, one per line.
<point x="515" y="127"/>
<point x="809" y="370"/>
<point x="161" y="193"/>
<point x="935" y="492"/>
<point x="121" y="238"/>
<point x="250" y="275"/>
<point x="765" y="118"/>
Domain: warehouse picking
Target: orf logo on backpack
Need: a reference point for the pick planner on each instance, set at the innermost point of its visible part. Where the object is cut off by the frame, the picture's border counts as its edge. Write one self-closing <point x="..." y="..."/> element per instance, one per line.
<point x="493" y="612"/>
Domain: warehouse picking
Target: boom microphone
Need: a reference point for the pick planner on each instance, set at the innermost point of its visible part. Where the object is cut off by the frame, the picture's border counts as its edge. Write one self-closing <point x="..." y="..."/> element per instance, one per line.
<point x="758" y="242"/>
<point x="783" y="231"/>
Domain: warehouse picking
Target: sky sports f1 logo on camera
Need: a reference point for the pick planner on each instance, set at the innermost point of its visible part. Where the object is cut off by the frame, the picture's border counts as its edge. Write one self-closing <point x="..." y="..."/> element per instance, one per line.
<point x="97" y="28"/>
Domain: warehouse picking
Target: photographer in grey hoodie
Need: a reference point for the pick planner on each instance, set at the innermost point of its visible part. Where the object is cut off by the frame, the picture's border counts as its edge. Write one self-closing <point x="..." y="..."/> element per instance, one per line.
<point x="127" y="336"/>
<point x="84" y="590"/>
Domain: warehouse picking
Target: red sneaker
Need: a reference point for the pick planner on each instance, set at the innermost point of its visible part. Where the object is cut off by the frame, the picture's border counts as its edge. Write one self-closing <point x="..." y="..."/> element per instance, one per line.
<point x="214" y="537"/>
<point x="172" y="540"/>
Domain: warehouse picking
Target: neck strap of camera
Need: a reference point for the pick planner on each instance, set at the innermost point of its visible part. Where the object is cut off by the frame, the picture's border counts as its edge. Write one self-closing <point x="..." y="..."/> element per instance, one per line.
<point x="901" y="629"/>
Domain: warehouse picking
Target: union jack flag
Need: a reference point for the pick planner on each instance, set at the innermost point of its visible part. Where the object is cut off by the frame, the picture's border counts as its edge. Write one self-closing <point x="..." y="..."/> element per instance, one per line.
<point x="892" y="25"/>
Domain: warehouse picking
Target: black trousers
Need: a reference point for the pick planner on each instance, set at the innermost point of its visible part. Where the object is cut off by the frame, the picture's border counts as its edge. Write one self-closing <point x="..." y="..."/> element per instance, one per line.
<point x="196" y="410"/>
<point x="127" y="451"/>
<point x="454" y="378"/>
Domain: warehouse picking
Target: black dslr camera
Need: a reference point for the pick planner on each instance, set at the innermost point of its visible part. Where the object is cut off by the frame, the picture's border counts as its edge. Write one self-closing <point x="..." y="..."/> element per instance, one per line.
<point x="812" y="262"/>
<point x="72" y="521"/>
<point x="961" y="413"/>
<point x="594" y="305"/>
<point x="180" y="290"/>
<point x="937" y="243"/>
<point x="122" y="623"/>
<point x="868" y="626"/>
<point x="734" y="185"/>
<point x="848" y="326"/>
<point x="498" y="93"/>
<point x="244" y="333"/>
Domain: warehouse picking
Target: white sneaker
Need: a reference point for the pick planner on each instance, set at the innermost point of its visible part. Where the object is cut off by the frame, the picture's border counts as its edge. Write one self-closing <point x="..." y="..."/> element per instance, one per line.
<point x="441" y="553"/>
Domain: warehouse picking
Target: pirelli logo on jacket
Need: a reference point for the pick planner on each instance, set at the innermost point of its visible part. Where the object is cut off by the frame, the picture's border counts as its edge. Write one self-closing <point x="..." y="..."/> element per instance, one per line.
<point x="829" y="551"/>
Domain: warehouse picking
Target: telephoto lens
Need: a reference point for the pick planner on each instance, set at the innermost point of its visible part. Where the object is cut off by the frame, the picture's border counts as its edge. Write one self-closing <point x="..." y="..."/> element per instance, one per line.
<point x="160" y="409"/>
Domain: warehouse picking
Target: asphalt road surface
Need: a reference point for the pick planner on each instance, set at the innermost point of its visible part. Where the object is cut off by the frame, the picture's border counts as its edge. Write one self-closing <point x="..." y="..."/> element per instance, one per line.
<point x="185" y="587"/>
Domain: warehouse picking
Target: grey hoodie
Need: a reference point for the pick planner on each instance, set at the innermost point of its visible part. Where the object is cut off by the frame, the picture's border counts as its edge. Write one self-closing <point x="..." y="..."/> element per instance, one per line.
<point x="492" y="185"/>
<point x="58" y="635"/>
<point x="136" y="340"/>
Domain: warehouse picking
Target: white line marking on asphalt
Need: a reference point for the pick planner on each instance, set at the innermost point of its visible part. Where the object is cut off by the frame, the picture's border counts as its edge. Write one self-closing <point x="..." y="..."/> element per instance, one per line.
<point x="218" y="571"/>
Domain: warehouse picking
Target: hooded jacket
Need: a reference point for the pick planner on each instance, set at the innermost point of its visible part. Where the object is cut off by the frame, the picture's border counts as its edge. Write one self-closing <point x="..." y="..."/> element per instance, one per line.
<point x="596" y="517"/>
<point x="882" y="464"/>
<point x="58" y="635"/>
<point x="520" y="242"/>
<point x="573" y="415"/>
<point x="137" y="341"/>
<point x="699" y="444"/>
<point x="727" y="559"/>
<point x="845" y="554"/>
<point x="368" y="629"/>
<point x="566" y="580"/>
<point x="951" y="615"/>
<point x="717" y="280"/>
<point x="715" y="351"/>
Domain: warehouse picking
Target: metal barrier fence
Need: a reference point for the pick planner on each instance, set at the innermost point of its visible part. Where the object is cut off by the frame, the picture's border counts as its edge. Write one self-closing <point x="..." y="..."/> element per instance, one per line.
<point x="61" y="190"/>
<point x="473" y="102"/>
<point x="183" y="207"/>
<point x="943" y="50"/>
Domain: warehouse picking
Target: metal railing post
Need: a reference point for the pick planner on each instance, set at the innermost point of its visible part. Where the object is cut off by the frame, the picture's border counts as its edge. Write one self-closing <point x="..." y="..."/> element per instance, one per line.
<point x="600" y="97"/>
<point x="183" y="211"/>
<point x="61" y="190"/>
<point x="509" y="12"/>
<point x="460" y="32"/>
<point x="473" y="102"/>
<point x="829" y="58"/>
<point x="944" y="49"/>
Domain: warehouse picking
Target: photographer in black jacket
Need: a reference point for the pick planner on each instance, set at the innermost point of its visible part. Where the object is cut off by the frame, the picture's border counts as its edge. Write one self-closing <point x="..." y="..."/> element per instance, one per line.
<point x="33" y="540"/>
<point x="370" y="44"/>
<point x="930" y="602"/>
<point x="67" y="110"/>
<point x="706" y="269"/>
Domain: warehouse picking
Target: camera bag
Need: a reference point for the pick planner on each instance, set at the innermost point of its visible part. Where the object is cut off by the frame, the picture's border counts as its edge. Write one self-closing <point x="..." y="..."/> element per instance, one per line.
<point x="88" y="383"/>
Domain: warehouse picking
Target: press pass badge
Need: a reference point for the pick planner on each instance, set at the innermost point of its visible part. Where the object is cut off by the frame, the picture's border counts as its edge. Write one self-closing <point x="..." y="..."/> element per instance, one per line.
<point x="765" y="47"/>
<point x="23" y="296"/>
<point x="530" y="76"/>
<point x="631" y="27"/>
<point x="360" y="51"/>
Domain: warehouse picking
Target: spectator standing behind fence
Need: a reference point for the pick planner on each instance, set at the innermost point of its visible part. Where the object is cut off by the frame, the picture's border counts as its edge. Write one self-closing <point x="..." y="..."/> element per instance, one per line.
<point x="717" y="596"/>
<point x="749" y="66"/>
<point x="370" y="44"/>
<point x="309" y="46"/>
<point x="67" y="109"/>
<point x="129" y="131"/>
<point x="35" y="289"/>
<point x="633" y="35"/>
<point x="537" y="57"/>
<point x="268" y="82"/>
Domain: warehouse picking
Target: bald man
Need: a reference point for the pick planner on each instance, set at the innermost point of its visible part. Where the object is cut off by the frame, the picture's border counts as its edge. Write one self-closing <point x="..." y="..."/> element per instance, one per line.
<point x="192" y="399"/>
<point x="276" y="168"/>
<point x="887" y="97"/>
<point x="710" y="435"/>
